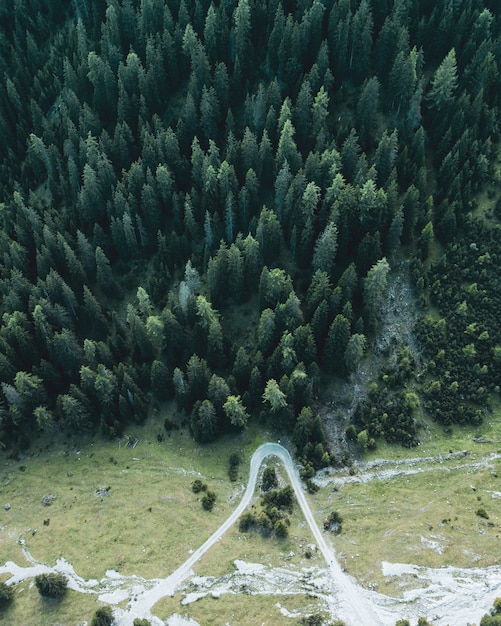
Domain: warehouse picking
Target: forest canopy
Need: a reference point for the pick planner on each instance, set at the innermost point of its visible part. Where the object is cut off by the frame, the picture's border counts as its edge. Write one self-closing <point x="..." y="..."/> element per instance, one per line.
<point x="204" y="201"/>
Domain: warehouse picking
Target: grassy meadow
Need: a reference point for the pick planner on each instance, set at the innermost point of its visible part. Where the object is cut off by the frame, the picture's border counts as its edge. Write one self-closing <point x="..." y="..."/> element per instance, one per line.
<point x="427" y="518"/>
<point x="151" y="519"/>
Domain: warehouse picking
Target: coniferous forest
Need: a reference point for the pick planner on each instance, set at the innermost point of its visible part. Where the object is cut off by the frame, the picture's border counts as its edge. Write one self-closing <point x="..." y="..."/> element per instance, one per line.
<point x="206" y="201"/>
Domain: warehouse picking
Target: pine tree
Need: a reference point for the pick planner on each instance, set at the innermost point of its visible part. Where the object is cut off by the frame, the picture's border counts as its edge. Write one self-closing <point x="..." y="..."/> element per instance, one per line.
<point x="266" y="331"/>
<point x="441" y="95"/>
<point x="235" y="411"/>
<point x="349" y="155"/>
<point x="375" y="285"/>
<point x="275" y="397"/>
<point x="204" y="422"/>
<point x="354" y="351"/>
<point x="302" y="114"/>
<point x="235" y="268"/>
<point x="340" y="19"/>
<point x="242" y="368"/>
<point x="243" y="41"/>
<point x="209" y="112"/>
<point x="361" y="42"/>
<point x="367" y="109"/>
<point x="320" y="113"/>
<point x="198" y="375"/>
<point x="335" y="346"/>
<point x="325" y="250"/>
<point x="268" y="235"/>
<point x="282" y="184"/>
<point x="215" y="354"/>
<point x="287" y="149"/>
<point x="104" y="274"/>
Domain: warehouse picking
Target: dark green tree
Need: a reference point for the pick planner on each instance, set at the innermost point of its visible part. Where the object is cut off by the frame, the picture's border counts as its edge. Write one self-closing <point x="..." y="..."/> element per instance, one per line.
<point x="335" y="346"/>
<point x="103" y="617"/>
<point x="51" y="585"/>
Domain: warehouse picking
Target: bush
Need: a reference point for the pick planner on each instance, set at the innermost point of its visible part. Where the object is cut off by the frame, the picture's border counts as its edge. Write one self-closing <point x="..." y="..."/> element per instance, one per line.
<point x="208" y="500"/>
<point x="311" y="487"/>
<point x="234" y="460"/>
<point x="170" y="425"/>
<point x="51" y="585"/>
<point x="282" y="498"/>
<point x="281" y="529"/>
<point x="334" y="522"/>
<point x="247" y="521"/>
<point x="312" y="620"/>
<point x="103" y="617"/>
<point x="482" y="513"/>
<point x="269" y="480"/>
<point x="197" y="486"/>
<point x="6" y="594"/>
<point x="141" y="622"/>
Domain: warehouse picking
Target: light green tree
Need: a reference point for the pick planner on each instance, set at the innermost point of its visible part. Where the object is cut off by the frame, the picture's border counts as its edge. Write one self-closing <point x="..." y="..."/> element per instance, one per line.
<point x="235" y="411"/>
<point x="274" y="396"/>
<point x="375" y="285"/>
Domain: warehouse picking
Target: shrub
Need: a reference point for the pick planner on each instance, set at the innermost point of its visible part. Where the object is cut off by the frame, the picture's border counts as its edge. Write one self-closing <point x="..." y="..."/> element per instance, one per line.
<point x="247" y="521"/>
<point x="496" y="607"/>
<point x="334" y="522"/>
<point x="281" y="529"/>
<point x="208" y="500"/>
<point x="6" y="594"/>
<point x="197" y="486"/>
<point x="170" y="425"/>
<point x="51" y="585"/>
<point x="482" y="513"/>
<point x="269" y="480"/>
<point x="141" y="622"/>
<point x="311" y="487"/>
<point x="307" y="472"/>
<point x="312" y="620"/>
<point x="282" y="498"/>
<point x="234" y="460"/>
<point x="103" y="617"/>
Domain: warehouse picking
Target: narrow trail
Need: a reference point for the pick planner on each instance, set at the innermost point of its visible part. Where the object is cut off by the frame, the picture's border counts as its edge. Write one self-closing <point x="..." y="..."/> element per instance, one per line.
<point x="353" y="605"/>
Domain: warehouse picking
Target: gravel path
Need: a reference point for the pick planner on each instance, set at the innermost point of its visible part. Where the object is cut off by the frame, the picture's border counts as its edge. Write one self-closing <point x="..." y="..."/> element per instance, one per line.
<point x="352" y="606"/>
<point x="446" y="595"/>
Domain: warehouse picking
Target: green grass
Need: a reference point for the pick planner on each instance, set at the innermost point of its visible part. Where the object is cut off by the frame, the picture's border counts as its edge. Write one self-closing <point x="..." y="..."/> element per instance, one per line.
<point x="243" y="609"/>
<point x="146" y="526"/>
<point x="151" y="520"/>
<point x="428" y="518"/>
<point x="138" y="529"/>
<point x="28" y="607"/>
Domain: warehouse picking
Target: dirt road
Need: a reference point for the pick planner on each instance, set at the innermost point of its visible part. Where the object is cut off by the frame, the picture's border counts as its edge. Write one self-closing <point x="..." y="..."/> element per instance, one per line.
<point x="353" y="607"/>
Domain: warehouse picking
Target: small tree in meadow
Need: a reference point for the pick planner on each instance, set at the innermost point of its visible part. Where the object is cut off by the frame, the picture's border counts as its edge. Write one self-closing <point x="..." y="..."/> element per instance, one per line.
<point x="103" y="617"/>
<point x="6" y="594"/>
<point x="51" y="585"/>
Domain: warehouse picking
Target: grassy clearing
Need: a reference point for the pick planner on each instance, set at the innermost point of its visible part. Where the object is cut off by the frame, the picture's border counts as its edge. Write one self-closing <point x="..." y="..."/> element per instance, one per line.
<point x="138" y="528"/>
<point x="28" y="607"/>
<point x="151" y="519"/>
<point x="255" y="548"/>
<point x="243" y="609"/>
<point x="148" y="524"/>
<point x="428" y="518"/>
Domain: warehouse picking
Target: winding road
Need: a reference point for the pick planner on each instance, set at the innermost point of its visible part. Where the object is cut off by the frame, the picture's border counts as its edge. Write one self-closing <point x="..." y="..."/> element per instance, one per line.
<point x="354" y="609"/>
<point x="452" y="595"/>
